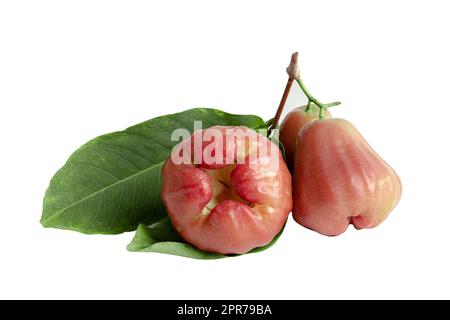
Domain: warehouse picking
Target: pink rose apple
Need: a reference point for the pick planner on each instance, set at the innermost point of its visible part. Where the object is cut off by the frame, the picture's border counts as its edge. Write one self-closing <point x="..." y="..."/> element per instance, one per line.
<point x="227" y="190"/>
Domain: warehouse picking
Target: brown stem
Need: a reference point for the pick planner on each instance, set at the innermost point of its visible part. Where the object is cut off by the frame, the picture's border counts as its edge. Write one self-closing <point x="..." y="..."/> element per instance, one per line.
<point x="293" y="73"/>
<point x="277" y="117"/>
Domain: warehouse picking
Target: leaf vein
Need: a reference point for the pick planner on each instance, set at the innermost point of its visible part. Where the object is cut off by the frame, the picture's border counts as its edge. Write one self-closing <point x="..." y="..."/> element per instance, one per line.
<point x="102" y="190"/>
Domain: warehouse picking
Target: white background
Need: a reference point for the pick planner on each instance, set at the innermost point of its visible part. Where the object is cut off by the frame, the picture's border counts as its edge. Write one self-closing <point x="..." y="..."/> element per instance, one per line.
<point x="73" y="70"/>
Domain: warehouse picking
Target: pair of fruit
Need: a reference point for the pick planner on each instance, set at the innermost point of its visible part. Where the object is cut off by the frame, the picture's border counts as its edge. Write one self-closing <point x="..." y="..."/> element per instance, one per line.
<point x="239" y="197"/>
<point x="338" y="178"/>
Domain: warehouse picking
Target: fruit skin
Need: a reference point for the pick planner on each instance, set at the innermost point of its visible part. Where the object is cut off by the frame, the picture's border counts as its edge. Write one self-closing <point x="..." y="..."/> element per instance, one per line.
<point x="228" y="209"/>
<point x="339" y="180"/>
<point x="292" y="124"/>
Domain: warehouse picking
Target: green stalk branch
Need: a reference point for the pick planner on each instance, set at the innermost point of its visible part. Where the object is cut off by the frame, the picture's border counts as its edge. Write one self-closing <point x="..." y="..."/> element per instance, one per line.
<point x="322" y="106"/>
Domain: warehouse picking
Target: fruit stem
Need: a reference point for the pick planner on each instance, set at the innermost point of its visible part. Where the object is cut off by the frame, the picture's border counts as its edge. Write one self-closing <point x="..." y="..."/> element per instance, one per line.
<point x="277" y="117"/>
<point x="294" y="74"/>
<point x="292" y="71"/>
<point x="323" y="106"/>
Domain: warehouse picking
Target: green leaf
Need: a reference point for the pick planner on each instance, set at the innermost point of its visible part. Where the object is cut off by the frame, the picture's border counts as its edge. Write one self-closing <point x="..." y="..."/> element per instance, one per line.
<point x="112" y="184"/>
<point x="161" y="237"/>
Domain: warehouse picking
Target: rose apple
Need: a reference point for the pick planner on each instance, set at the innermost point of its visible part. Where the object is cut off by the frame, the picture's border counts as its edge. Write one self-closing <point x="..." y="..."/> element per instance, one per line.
<point x="340" y="180"/>
<point x="227" y="190"/>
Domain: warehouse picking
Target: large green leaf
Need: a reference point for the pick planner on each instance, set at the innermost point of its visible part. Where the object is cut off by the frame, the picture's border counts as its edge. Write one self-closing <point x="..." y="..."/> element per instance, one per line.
<point x="112" y="184"/>
<point x="161" y="237"/>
